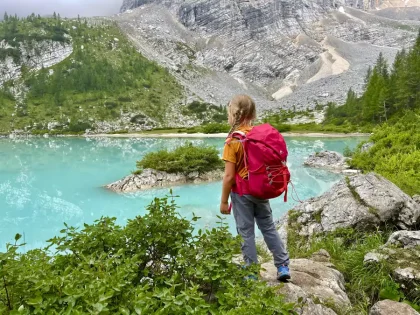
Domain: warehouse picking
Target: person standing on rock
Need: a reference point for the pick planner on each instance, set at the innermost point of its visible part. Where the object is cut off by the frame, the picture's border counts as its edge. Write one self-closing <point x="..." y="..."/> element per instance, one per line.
<point x="246" y="208"/>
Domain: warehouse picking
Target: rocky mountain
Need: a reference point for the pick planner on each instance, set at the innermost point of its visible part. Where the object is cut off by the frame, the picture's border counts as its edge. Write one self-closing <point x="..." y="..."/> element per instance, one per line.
<point x="286" y="54"/>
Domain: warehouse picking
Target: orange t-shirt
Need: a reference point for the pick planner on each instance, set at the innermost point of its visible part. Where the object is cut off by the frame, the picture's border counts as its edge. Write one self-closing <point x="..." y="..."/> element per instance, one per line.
<point x="234" y="152"/>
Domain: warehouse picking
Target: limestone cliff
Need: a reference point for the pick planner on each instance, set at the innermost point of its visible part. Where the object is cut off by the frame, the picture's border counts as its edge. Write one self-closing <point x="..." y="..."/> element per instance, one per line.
<point x="288" y="54"/>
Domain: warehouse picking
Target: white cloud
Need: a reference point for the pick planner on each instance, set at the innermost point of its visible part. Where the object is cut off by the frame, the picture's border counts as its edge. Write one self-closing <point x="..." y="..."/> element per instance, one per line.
<point x="66" y="8"/>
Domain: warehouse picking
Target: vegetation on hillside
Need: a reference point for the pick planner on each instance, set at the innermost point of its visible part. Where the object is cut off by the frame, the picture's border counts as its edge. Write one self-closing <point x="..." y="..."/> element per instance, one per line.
<point x="391" y="102"/>
<point x="184" y="159"/>
<point x="103" y="79"/>
<point x="389" y="93"/>
<point x="395" y="153"/>
<point x="206" y="112"/>
<point x="156" y="264"/>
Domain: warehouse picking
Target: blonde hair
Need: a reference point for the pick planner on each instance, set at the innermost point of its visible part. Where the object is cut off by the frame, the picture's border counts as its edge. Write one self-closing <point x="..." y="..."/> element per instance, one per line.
<point x="241" y="109"/>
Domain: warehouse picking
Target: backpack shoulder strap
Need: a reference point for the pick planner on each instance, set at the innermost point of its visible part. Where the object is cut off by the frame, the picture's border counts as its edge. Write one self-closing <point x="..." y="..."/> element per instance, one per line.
<point x="238" y="135"/>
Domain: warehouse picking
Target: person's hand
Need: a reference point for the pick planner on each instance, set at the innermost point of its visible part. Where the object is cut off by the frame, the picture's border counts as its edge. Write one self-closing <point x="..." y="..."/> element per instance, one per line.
<point x="224" y="208"/>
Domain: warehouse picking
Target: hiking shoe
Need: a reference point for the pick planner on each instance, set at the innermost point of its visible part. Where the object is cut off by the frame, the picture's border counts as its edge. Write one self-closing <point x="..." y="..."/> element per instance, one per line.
<point x="283" y="273"/>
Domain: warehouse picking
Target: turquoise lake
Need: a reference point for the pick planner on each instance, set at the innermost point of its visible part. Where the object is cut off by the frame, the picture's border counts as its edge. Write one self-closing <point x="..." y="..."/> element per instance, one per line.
<point x="46" y="182"/>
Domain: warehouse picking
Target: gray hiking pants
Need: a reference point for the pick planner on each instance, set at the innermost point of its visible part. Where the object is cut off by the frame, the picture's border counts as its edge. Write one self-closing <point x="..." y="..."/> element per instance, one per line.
<point x="247" y="210"/>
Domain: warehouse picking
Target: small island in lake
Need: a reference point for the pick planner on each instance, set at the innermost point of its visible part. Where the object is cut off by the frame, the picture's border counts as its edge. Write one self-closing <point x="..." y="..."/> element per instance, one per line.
<point x="185" y="164"/>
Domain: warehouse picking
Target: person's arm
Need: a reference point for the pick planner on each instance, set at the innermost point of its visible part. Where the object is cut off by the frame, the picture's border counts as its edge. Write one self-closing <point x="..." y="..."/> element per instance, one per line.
<point x="228" y="181"/>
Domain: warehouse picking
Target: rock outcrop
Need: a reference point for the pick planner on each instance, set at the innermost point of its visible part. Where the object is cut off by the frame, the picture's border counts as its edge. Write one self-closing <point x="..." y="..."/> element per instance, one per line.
<point x="316" y="283"/>
<point x="149" y="179"/>
<point x="404" y="239"/>
<point x="329" y="160"/>
<point x="361" y="201"/>
<point x="36" y="56"/>
<point x="402" y="252"/>
<point x="388" y="307"/>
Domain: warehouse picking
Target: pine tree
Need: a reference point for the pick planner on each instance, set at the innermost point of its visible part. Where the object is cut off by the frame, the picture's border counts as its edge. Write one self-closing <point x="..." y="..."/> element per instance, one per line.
<point x="6" y="17"/>
<point x="367" y="77"/>
<point x="397" y="81"/>
<point x="413" y="74"/>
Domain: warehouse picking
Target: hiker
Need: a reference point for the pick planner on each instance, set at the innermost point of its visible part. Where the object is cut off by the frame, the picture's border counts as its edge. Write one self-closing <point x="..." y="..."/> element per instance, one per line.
<point x="249" y="207"/>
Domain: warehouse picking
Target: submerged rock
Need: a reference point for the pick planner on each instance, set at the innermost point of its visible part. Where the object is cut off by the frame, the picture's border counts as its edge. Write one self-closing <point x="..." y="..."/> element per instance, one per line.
<point x="149" y="179"/>
<point x="388" y="307"/>
<point x="329" y="160"/>
<point x="361" y="201"/>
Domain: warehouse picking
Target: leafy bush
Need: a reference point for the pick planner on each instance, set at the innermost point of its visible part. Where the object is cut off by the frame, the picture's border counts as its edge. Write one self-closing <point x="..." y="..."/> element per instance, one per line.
<point x="153" y="265"/>
<point x="395" y="154"/>
<point x="79" y="126"/>
<point x="282" y="127"/>
<point x="215" y="128"/>
<point x="184" y="159"/>
<point x="347" y="152"/>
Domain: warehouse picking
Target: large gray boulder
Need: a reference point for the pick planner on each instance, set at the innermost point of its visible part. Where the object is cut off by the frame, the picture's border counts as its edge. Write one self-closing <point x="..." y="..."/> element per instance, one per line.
<point x="329" y="160"/>
<point x="405" y="239"/>
<point x="361" y="201"/>
<point x="316" y="283"/>
<point x="149" y="179"/>
<point x="388" y="307"/>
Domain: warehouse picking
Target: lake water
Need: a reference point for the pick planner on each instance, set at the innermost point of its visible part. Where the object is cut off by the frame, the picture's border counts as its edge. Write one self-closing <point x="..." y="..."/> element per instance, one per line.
<point x="46" y="182"/>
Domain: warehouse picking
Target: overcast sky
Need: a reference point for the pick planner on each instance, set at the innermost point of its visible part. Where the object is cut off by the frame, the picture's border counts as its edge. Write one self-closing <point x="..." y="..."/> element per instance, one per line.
<point x="68" y="8"/>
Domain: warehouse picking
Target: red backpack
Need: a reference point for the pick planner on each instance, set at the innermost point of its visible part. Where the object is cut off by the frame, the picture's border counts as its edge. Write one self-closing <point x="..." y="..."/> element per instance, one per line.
<point x="265" y="157"/>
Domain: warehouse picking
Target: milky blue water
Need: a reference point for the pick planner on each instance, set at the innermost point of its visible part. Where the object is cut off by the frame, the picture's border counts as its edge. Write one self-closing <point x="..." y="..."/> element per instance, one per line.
<point x="46" y="182"/>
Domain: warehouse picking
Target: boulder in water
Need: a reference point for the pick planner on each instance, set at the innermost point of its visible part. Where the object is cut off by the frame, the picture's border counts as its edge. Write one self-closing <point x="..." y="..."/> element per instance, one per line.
<point x="329" y="160"/>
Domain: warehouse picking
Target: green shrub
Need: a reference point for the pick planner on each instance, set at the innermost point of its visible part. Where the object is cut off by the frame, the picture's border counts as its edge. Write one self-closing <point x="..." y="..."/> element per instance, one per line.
<point x="395" y="154"/>
<point x="184" y="159"/>
<point x="283" y="127"/>
<point x="156" y="264"/>
<point x="347" y="152"/>
<point x="215" y="128"/>
<point x="79" y="126"/>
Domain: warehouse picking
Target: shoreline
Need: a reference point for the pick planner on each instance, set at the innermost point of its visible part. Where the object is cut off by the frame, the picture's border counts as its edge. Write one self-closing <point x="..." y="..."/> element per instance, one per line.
<point x="184" y="135"/>
<point x="223" y="135"/>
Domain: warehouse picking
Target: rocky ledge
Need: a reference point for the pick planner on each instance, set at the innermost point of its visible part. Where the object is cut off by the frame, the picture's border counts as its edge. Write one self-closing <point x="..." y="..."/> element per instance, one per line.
<point x="319" y="288"/>
<point x="149" y="179"/>
<point x="329" y="160"/>
<point x="315" y="282"/>
<point x="363" y="201"/>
